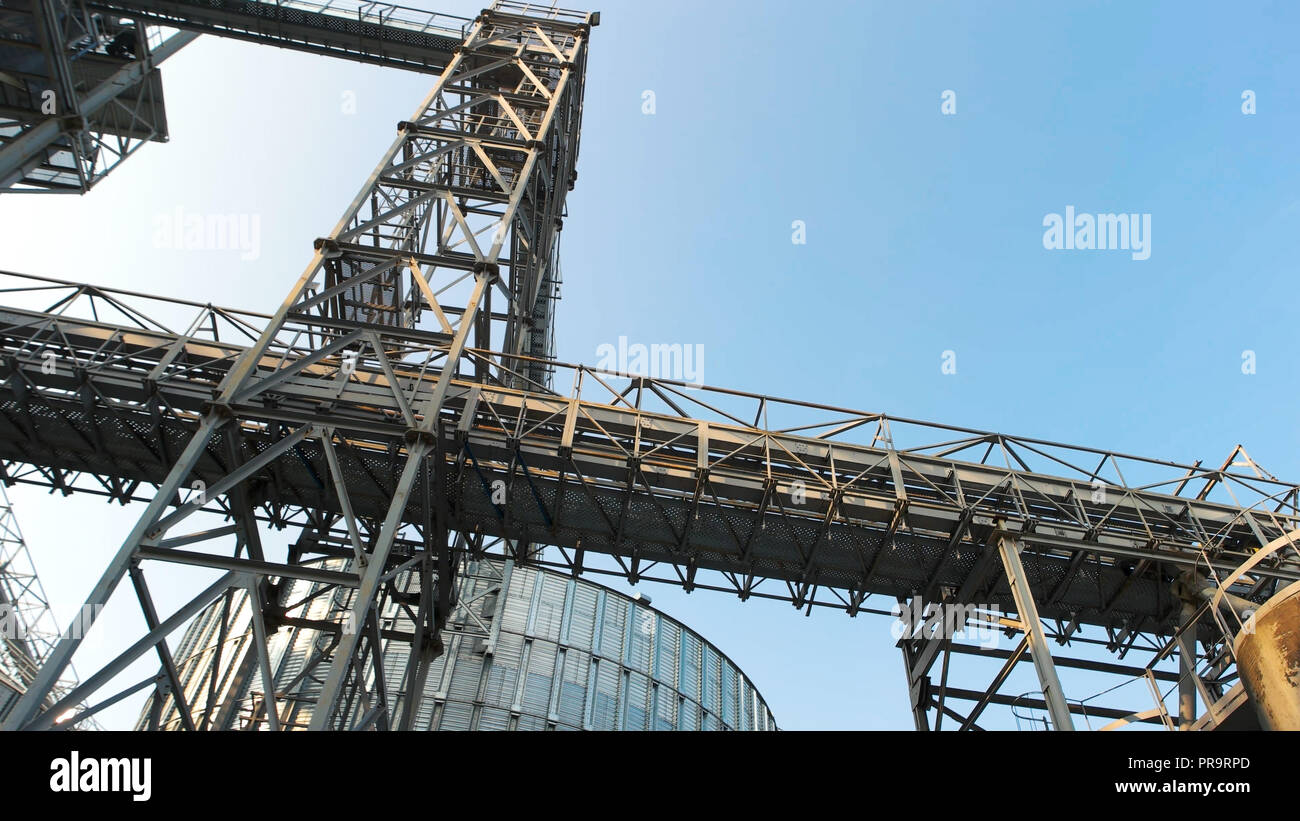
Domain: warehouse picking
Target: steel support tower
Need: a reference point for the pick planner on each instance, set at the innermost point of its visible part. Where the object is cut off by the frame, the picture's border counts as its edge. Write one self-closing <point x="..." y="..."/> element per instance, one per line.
<point x="402" y="412"/>
<point x="28" y="629"/>
<point x="465" y="207"/>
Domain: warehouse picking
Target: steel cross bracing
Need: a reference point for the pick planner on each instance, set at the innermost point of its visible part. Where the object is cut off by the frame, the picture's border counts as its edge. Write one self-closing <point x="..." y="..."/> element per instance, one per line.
<point x="601" y="428"/>
<point x="218" y="656"/>
<point x="467" y="200"/>
<point x="383" y="34"/>
<point x="80" y="90"/>
<point x="364" y="416"/>
<point x="677" y="484"/>
<point x="28" y="630"/>
<point x="79" y="93"/>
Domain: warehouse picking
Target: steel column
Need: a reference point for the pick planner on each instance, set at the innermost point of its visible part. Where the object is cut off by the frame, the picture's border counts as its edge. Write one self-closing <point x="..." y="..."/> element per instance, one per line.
<point x="1040" y="652"/>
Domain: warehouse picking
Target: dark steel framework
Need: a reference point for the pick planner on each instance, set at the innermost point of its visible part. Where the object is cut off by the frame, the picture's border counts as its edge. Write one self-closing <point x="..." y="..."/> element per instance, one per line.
<point x="408" y="377"/>
<point x="676" y="485"/>
<point x="468" y="201"/>
<point x="80" y="90"/>
<point x="379" y="33"/>
<point x="79" y="93"/>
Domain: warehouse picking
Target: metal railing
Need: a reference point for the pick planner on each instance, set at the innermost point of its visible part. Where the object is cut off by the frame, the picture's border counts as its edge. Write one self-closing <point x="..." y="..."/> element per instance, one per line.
<point x="386" y="14"/>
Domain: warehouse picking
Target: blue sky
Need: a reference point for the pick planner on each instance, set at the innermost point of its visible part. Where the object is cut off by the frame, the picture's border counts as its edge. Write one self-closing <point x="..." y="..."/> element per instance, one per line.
<point x="924" y="235"/>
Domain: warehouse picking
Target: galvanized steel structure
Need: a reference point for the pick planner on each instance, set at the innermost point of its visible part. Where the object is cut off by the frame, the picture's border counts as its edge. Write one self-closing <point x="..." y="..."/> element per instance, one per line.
<point x="28" y="629"/>
<point x="526" y="649"/>
<point x="79" y="93"/>
<point x="402" y="410"/>
<point x="80" y="88"/>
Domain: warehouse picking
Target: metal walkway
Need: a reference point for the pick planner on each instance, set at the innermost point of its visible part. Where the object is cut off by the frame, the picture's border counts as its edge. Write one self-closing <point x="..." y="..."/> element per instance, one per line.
<point x="80" y="88"/>
<point x="378" y="33"/>
<point x="671" y="479"/>
<point x="389" y="414"/>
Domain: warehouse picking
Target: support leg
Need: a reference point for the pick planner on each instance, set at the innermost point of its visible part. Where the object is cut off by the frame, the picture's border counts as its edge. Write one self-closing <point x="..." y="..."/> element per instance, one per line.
<point x="1009" y="547"/>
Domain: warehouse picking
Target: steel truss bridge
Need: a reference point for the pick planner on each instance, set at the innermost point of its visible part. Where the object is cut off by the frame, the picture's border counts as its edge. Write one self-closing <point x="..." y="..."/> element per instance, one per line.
<point x="402" y="414"/>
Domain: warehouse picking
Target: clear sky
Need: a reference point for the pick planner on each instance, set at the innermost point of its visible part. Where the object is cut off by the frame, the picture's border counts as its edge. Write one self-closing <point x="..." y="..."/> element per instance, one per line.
<point x="924" y="234"/>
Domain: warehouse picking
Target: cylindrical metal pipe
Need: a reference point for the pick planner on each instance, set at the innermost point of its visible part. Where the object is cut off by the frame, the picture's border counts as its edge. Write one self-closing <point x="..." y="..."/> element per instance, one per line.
<point x="1268" y="660"/>
<point x="1205" y="592"/>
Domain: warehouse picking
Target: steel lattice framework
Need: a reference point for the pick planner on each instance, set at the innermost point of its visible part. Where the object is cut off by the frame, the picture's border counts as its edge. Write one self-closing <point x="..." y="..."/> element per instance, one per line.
<point x="656" y="474"/>
<point x="468" y="200"/>
<point x="379" y="33"/>
<point x="80" y="89"/>
<point x="79" y="93"/>
<point x="408" y="377"/>
<point x="28" y="630"/>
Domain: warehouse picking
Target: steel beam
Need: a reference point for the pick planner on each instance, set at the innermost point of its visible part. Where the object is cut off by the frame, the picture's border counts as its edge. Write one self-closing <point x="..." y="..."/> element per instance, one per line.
<point x="28" y="706"/>
<point x="17" y="154"/>
<point x="1039" y="650"/>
